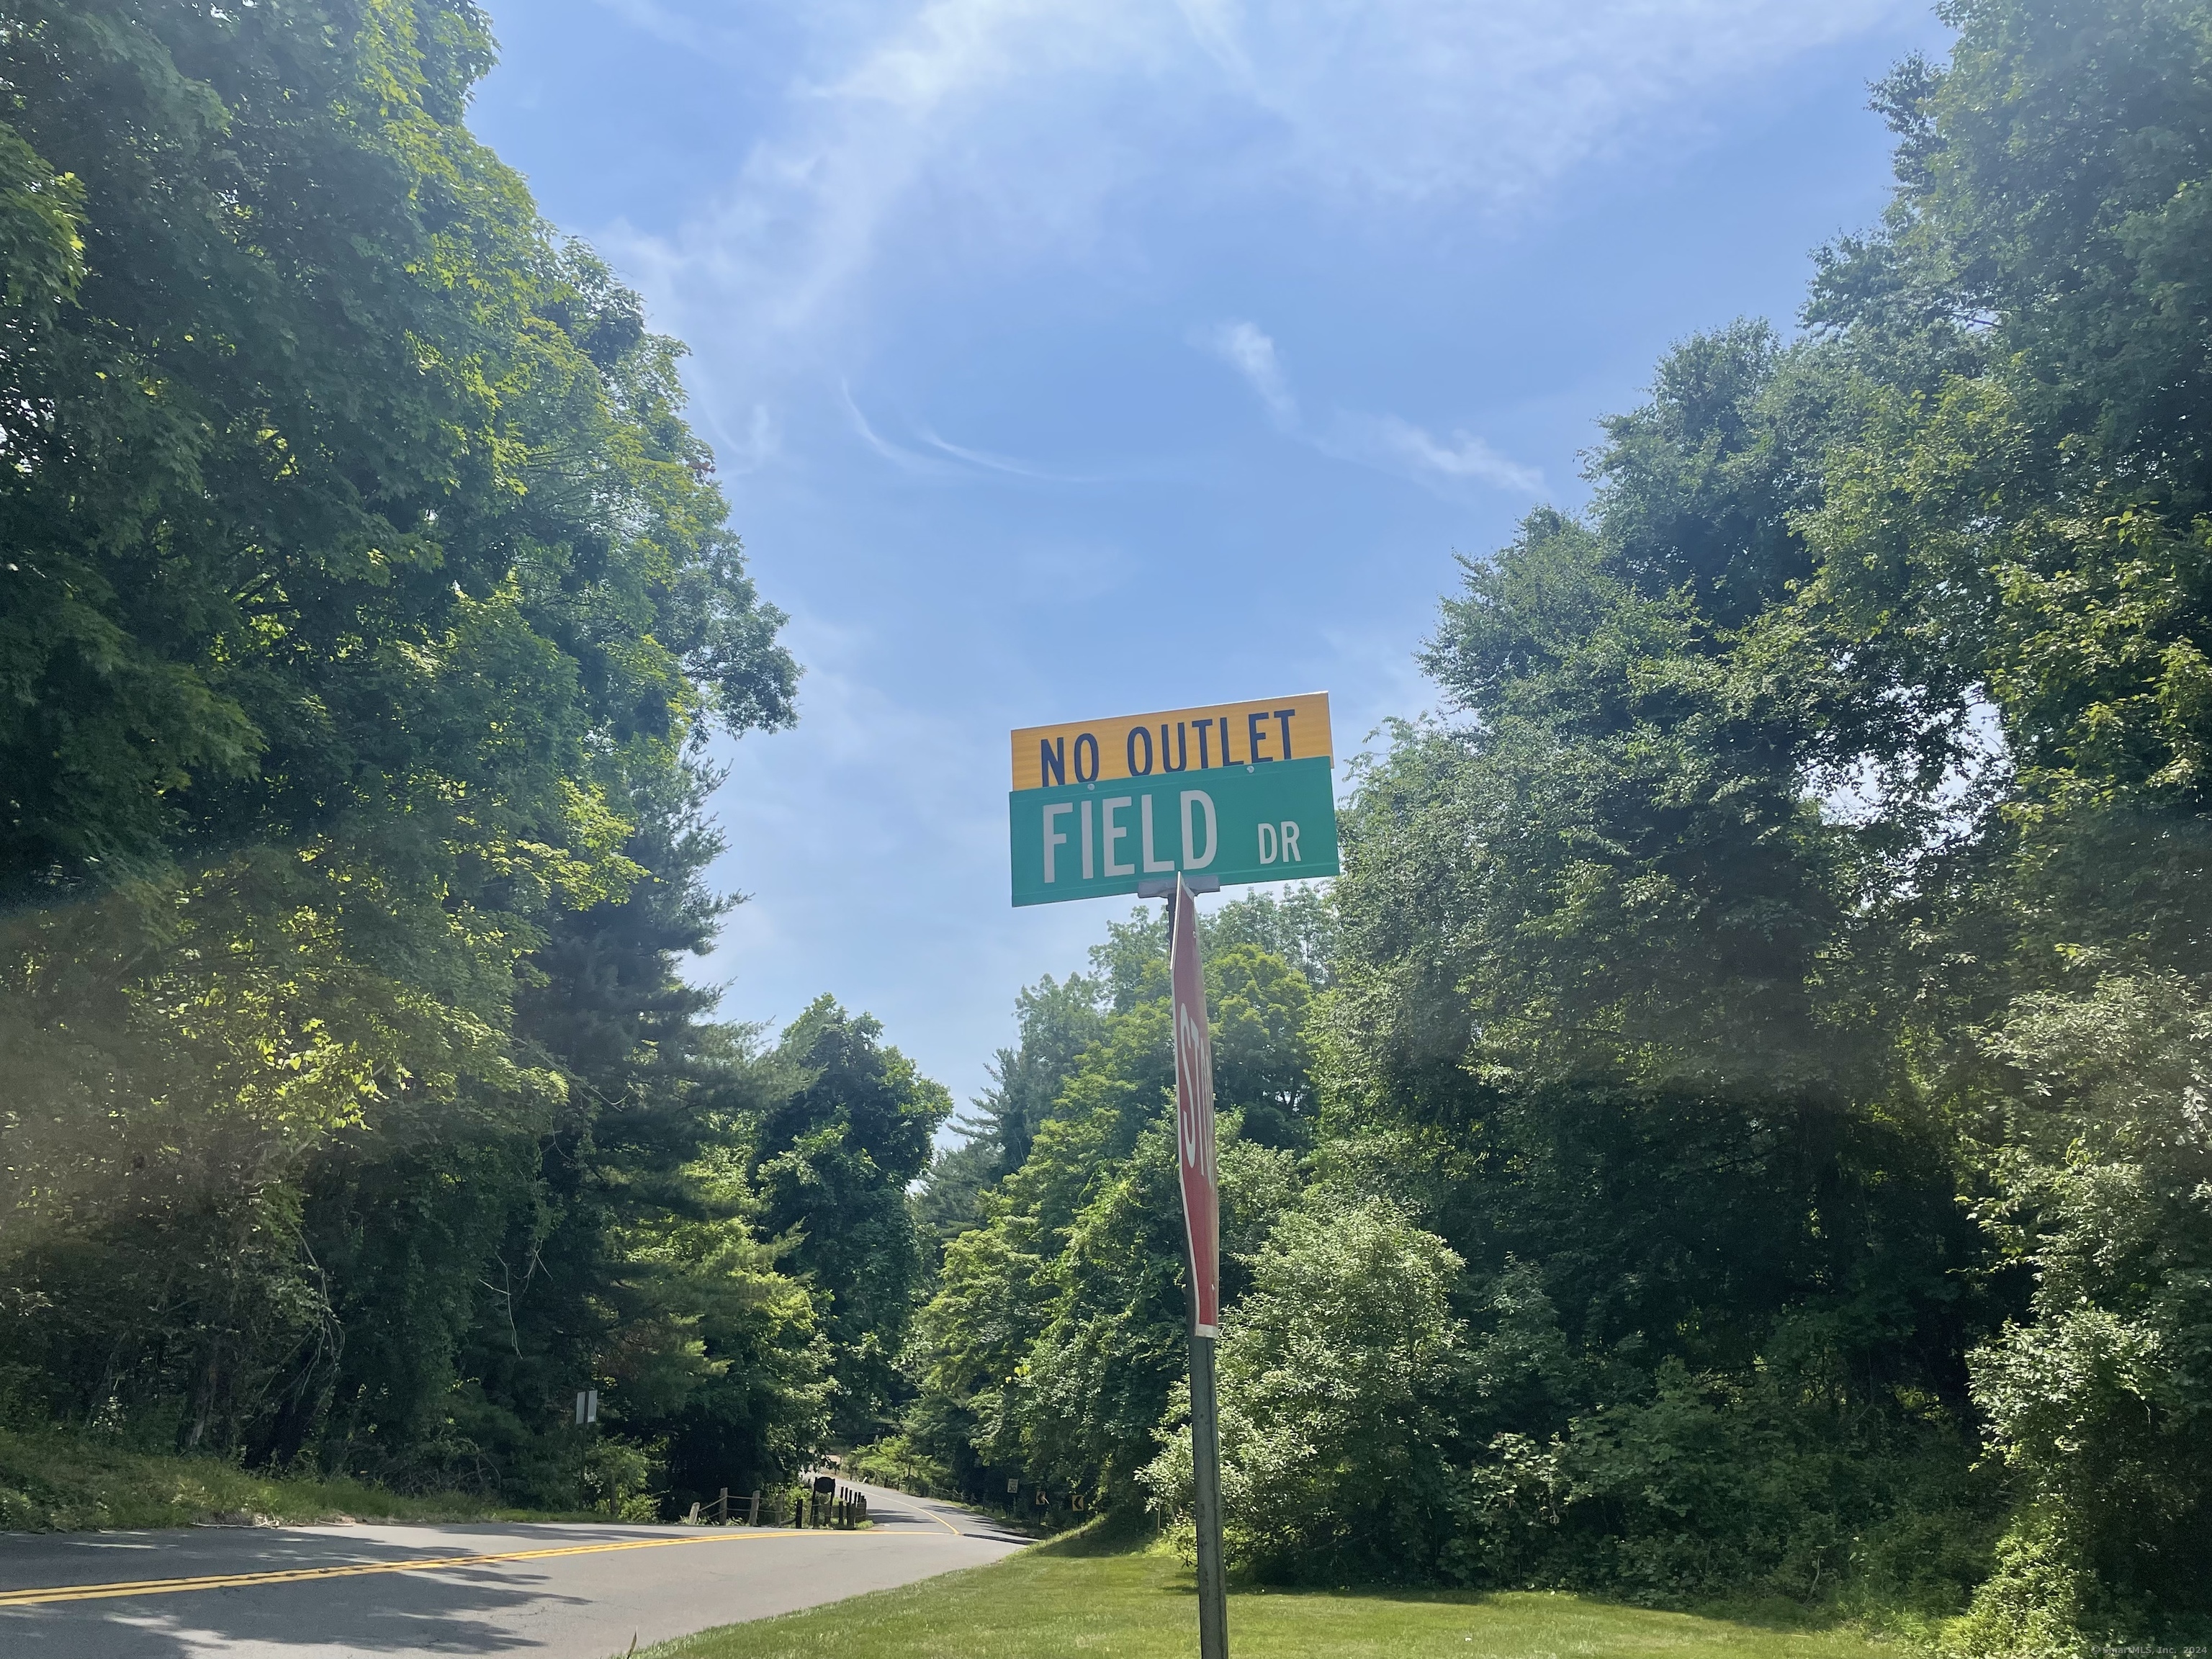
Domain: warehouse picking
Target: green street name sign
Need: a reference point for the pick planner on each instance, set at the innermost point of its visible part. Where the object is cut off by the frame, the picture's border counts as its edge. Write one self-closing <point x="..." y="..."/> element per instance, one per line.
<point x="1261" y="820"/>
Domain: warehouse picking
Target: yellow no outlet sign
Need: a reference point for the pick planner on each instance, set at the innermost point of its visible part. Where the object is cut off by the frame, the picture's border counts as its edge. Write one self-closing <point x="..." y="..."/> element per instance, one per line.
<point x="1237" y="793"/>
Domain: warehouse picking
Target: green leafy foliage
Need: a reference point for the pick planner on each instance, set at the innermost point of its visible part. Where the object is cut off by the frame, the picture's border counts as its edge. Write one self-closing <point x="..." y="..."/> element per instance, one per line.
<point x="1339" y="1382"/>
<point x="836" y="1149"/>
<point x="366" y="601"/>
<point x="1051" y="1347"/>
<point x="2096" y="1398"/>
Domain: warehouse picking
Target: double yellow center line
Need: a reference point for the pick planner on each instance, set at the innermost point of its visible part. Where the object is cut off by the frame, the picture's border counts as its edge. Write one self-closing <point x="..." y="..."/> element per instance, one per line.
<point x="33" y="1598"/>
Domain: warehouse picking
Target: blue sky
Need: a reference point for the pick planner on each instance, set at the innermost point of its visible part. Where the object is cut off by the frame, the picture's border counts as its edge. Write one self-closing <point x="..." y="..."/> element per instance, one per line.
<point x="1064" y="360"/>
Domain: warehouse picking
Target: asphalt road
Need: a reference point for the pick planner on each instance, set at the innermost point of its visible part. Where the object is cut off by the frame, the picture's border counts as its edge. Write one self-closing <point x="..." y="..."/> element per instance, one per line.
<point x="563" y="1591"/>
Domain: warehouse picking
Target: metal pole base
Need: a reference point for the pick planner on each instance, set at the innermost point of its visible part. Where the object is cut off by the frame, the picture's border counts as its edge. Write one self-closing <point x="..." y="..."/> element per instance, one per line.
<point x="1206" y="1503"/>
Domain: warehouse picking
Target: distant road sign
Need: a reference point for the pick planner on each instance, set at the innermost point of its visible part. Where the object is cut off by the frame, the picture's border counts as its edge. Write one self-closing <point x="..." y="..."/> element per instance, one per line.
<point x="1240" y="823"/>
<point x="1175" y="740"/>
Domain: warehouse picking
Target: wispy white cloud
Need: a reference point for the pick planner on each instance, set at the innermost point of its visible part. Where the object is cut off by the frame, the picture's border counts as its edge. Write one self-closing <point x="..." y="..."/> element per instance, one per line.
<point x="991" y="131"/>
<point x="917" y="101"/>
<point x="1388" y="442"/>
<point x="744" y="447"/>
<point x="1252" y="355"/>
<point x="1420" y="98"/>
<point x="670" y="26"/>
<point x="1386" y="439"/>
<point x="1010" y="465"/>
<point x="952" y="460"/>
<point x="905" y="459"/>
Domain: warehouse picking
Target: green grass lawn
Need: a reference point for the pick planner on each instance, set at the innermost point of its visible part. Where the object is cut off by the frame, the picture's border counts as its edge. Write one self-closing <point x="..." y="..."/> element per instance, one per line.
<point x="1051" y="1600"/>
<point x="55" y="1481"/>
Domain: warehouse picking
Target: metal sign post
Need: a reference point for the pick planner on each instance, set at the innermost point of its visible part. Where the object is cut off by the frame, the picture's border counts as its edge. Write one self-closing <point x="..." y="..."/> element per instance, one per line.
<point x="1163" y="805"/>
<point x="1201" y="1212"/>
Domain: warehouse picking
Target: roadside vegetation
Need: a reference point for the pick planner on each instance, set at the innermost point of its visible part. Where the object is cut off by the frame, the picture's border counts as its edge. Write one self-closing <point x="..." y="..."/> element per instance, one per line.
<point x="59" y="1480"/>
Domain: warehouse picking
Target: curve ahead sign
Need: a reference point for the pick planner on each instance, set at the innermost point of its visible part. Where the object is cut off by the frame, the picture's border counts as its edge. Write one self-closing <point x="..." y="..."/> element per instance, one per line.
<point x="1241" y="792"/>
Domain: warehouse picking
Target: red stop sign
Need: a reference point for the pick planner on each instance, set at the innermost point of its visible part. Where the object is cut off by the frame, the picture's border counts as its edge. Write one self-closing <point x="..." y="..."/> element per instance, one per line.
<point x="1194" y="1055"/>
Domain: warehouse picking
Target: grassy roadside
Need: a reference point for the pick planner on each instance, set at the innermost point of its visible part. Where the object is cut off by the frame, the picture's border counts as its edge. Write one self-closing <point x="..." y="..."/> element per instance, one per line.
<point x="60" y="1482"/>
<point x="1138" y="1605"/>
